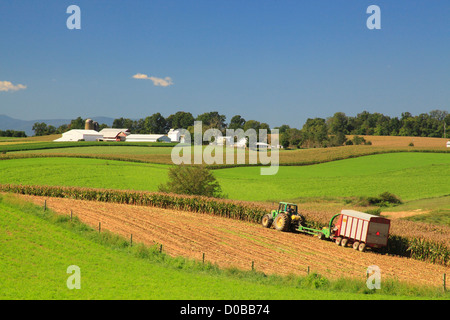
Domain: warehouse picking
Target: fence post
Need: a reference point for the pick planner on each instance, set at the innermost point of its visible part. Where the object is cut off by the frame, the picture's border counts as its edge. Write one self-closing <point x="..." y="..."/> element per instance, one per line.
<point x="308" y="270"/>
<point x="131" y="240"/>
<point x="160" y="248"/>
<point x="70" y="215"/>
<point x="99" y="226"/>
<point x="253" y="265"/>
<point x="203" y="259"/>
<point x="444" y="280"/>
<point x="45" y="205"/>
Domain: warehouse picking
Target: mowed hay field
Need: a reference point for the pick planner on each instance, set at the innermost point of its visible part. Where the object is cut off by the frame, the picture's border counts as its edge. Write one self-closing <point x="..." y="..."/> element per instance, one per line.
<point x="232" y="243"/>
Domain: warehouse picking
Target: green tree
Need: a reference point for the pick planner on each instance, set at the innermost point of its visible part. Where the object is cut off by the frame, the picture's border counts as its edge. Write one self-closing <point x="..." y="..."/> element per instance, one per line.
<point x="314" y="133"/>
<point x="213" y="120"/>
<point x="252" y="124"/>
<point x="192" y="180"/>
<point x="40" y="128"/>
<point x="77" y="123"/>
<point x="62" y="128"/>
<point x="237" y="122"/>
<point x="283" y="128"/>
<point x="338" y="123"/>
<point x="337" y="140"/>
<point x="125" y="123"/>
<point x="180" y="120"/>
<point x="156" y="123"/>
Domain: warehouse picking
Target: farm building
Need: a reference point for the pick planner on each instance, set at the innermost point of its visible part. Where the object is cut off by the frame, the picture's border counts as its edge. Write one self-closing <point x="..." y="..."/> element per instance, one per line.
<point x="112" y="134"/>
<point x="448" y="144"/>
<point x="148" y="138"/>
<point x="262" y="145"/>
<point x="80" y="135"/>
<point x="227" y="140"/>
<point x="174" y="135"/>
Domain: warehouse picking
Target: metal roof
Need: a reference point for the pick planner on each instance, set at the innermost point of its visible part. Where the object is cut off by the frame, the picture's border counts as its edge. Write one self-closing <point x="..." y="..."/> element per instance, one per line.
<point x="358" y="214"/>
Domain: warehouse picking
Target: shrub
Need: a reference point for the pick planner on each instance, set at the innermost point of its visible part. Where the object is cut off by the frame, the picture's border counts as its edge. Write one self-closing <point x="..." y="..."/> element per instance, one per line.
<point x="385" y="199"/>
<point x="192" y="180"/>
<point x="390" y="198"/>
<point x="357" y="140"/>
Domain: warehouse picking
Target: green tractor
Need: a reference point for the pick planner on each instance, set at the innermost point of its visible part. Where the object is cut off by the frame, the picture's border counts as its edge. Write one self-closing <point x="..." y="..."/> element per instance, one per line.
<point x="286" y="218"/>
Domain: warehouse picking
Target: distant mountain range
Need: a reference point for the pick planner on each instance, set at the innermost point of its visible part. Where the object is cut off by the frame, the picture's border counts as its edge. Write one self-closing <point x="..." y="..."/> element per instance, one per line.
<point x="8" y="123"/>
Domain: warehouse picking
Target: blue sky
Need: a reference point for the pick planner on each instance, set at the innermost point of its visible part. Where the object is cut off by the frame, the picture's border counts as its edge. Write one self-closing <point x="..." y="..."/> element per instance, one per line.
<point x="279" y="62"/>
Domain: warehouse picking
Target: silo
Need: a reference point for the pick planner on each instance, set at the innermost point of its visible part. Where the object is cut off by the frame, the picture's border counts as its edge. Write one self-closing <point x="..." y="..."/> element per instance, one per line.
<point x="89" y="125"/>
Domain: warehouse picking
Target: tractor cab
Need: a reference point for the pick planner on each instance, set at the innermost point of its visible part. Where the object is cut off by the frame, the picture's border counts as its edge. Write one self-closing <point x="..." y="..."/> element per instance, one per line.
<point x="288" y="208"/>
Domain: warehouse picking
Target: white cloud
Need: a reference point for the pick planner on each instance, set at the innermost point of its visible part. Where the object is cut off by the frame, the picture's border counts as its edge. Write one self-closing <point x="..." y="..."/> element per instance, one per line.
<point x="8" y="86"/>
<point x="162" y="82"/>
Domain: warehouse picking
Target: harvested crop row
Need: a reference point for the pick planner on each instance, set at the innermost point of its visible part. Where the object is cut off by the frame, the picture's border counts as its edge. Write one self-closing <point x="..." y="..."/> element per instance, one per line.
<point x="236" y="243"/>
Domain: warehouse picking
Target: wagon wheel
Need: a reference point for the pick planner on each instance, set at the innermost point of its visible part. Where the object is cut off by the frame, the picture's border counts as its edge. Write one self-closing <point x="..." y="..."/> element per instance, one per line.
<point x="282" y="222"/>
<point x="344" y="242"/>
<point x="355" y="245"/>
<point x="267" y="221"/>
<point x="338" y="241"/>
<point x="362" y="247"/>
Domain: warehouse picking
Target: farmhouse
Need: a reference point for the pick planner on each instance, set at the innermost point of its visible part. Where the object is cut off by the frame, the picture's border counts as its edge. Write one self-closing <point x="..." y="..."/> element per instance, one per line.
<point x="148" y="138"/>
<point x="80" y="135"/>
<point x="112" y="134"/>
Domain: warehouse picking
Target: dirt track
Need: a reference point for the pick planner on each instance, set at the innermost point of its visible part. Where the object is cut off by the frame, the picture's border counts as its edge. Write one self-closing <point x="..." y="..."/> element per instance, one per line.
<point x="230" y="242"/>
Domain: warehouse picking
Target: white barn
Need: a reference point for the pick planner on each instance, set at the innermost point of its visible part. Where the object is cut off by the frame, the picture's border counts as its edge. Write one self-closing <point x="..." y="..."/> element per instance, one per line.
<point x="80" y="135"/>
<point x="174" y="135"/>
<point x="148" y="138"/>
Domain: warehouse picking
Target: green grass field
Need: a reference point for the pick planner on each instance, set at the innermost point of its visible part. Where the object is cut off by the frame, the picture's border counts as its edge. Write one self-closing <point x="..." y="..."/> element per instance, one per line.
<point x="411" y="176"/>
<point x="83" y="173"/>
<point x="37" y="247"/>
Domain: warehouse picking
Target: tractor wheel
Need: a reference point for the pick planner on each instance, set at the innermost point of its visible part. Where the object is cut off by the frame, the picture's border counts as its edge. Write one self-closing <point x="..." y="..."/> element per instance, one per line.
<point x="282" y="222"/>
<point x="267" y="221"/>
<point x="355" y="245"/>
<point x="344" y="242"/>
<point x="338" y="241"/>
<point x="362" y="247"/>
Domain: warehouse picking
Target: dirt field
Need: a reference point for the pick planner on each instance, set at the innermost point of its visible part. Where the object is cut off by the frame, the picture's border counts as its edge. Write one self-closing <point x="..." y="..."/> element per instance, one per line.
<point x="235" y="243"/>
<point x="398" y="141"/>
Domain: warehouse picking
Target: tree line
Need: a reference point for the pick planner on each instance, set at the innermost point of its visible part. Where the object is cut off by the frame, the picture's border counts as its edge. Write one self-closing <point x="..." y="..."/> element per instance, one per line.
<point x="12" y="133"/>
<point x="319" y="132"/>
<point x="315" y="132"/>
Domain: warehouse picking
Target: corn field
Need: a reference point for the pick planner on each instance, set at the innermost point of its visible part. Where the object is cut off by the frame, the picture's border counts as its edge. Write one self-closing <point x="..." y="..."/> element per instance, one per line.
<point x="223" y="208"/>
<point x="415" y="247"/>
